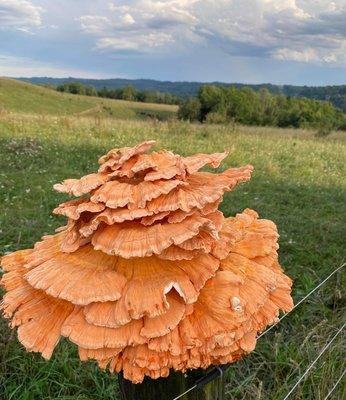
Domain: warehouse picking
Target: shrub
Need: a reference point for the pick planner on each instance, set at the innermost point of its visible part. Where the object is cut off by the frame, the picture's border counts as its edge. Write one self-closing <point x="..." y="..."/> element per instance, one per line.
<point x="190" y="110"/>
<point x="216" y="118"/>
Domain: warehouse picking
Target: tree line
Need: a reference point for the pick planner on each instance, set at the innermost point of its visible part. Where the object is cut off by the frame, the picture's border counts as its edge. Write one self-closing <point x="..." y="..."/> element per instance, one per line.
<point x="217" y="104"/>
<point x="240" y="104"/>
<point x="125" y="93"/>
<point x="335" y="94"/>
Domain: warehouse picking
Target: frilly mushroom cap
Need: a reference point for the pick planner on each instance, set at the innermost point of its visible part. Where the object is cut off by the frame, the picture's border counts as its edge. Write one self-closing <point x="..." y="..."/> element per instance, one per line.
<point x="148" y="275"/>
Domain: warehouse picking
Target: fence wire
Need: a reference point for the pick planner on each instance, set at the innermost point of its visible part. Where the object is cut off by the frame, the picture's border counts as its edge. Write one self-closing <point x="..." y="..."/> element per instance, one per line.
<point x="270" y="328"/>
<point x="301" y="300"/>
<point x="314" y="362"/>
<point x="335" y="385"/>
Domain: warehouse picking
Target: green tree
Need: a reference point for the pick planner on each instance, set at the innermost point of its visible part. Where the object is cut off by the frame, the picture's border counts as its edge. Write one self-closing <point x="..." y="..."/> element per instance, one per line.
<point x="128" y="93"/>
<point x="190" y="110"/>
<point x="90" y="91"/>
<point x="212" y="99"/>
<point x="217" y="104"/>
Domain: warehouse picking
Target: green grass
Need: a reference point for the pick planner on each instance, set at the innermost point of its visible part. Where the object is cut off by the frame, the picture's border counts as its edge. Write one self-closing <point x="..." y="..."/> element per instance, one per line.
<point x="299" y="182"/>
<point x="27" y="98"/>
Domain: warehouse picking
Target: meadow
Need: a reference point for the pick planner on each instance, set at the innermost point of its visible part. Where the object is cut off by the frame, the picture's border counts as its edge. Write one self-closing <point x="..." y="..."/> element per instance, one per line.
<point x="27" y="98"/>
<point x="299" y="182"/>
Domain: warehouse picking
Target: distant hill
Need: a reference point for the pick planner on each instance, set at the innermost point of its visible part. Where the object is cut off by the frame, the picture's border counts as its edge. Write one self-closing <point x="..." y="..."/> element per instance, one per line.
<point x="335" y="94"/>
<point x="28" y="98"/>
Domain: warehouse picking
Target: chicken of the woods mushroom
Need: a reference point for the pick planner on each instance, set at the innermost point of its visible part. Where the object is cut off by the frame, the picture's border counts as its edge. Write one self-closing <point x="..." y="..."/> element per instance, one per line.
<point x="148" y="275"/>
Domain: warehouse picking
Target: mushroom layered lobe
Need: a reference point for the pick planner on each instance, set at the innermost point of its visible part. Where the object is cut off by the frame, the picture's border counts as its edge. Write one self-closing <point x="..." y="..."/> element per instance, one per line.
<point x="147" y="275"/>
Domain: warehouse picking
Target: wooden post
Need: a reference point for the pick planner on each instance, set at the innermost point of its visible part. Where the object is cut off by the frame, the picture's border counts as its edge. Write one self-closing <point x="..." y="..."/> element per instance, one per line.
<point x="170" y="387"/>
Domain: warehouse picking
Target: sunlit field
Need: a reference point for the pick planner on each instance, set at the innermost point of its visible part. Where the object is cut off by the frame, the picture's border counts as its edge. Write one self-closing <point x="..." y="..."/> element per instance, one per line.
<point x="27" y="98"/>
<point x="299" y="182"/>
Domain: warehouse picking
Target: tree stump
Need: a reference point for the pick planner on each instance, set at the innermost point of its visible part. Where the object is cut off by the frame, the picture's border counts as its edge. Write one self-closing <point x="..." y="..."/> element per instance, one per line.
<point x="174" y="385"/>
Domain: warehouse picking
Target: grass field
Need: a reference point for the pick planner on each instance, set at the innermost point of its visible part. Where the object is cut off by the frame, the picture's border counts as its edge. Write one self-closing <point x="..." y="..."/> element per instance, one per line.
<point x="299" y="182"/>
<point x="27" y="98"/>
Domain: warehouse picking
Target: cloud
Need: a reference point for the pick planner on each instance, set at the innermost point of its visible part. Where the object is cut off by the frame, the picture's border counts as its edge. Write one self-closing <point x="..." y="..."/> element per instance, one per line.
<point x="309" y="31"/>
<point x="19" y="14"/>
<point x="128" y="19"/>
<point x="159" y="13"/>
<point x="302" y="31"/>
<point x="144" y="26"/>
<point x="305" y="55"/>
<point x="142" y="43"/>
<point x="94" y="24"/>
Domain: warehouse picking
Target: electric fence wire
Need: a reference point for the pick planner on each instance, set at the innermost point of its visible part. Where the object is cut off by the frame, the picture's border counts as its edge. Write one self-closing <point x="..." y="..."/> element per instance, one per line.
<point x="303" y="299"/>
<point x="186" y="392"/>
<point x="226" y="366"/>
<point x="335" y="385"/>
<point x="314" y="362"/>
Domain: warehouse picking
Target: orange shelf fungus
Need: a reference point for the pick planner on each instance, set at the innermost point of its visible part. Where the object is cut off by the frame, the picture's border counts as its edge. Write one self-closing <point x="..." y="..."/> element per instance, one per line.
<point x="147" y="275"/>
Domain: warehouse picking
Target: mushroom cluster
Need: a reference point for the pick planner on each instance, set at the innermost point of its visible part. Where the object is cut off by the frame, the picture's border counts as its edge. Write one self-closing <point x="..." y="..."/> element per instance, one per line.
<point x="148" y="274"/>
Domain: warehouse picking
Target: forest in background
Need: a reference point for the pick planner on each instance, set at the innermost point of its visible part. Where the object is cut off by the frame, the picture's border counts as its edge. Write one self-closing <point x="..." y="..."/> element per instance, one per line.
<point x="335" y="94"/>
<point x="128" y="93"/>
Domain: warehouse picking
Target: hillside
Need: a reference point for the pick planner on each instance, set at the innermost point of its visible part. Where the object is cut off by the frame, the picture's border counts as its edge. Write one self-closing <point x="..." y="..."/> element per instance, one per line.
<point x="28" y="98"/>
<point x="335" y="94"/>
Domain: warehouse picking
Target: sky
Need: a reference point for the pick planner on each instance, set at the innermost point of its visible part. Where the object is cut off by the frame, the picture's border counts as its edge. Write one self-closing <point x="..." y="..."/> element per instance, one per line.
<point x="299" y="42"/>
